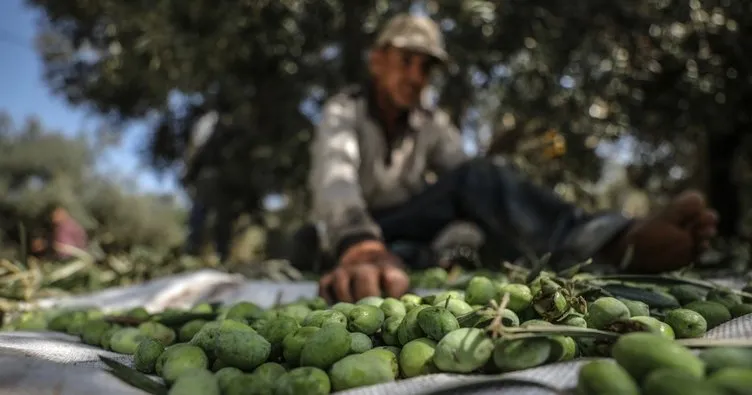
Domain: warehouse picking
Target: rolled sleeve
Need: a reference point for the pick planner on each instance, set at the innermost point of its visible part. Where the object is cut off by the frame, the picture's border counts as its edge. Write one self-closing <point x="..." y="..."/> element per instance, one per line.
<point x="336" y="192"/>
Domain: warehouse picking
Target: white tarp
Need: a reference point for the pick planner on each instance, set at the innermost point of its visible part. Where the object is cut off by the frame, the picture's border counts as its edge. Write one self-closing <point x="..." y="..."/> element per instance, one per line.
<point x="36" y="363"/>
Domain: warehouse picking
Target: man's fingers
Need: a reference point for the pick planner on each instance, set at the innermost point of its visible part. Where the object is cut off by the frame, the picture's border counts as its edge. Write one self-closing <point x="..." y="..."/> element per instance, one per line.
<point x="325" y="284"/>
<point x="685" y="208"/>
<point x="354" y="280"/>
<point x="705" y="227"/>
<point x="708" y="224"/>
<point x="705" y="233"/>
<point x="341" y="285"/>
<point x="710" y="217"/>
<point x="366" y="281"/>
<point x="395" y="281"/>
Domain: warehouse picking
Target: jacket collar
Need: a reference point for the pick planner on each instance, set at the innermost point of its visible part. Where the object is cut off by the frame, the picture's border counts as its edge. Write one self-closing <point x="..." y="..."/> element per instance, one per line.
<point x="403" y="125"/>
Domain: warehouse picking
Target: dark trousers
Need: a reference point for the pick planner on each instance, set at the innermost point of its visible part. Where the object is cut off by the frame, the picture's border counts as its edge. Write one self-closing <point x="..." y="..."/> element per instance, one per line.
<point x="518" y="218"/>
<point x="196" y="226"/>
<point x="221" y="231"/>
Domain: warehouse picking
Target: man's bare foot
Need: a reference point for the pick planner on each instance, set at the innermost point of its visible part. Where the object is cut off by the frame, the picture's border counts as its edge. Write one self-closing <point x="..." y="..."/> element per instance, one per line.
<point x="670" y="239"/>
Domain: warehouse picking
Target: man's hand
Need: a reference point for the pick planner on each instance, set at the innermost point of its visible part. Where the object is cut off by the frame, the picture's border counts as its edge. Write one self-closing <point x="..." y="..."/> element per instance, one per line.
<point x="366" y="251"/>
<point x="365" y="269"/>
<point x="672" y="238"/>
<point x="38" y="245"/>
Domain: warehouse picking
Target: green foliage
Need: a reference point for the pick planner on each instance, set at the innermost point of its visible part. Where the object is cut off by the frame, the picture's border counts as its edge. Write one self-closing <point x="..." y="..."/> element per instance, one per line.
<point x="38" y="279"/>
<point x="253" y="60"/>
<point x="673" y="75"/>
<point x="39" y="168"/>
<point x="126" y="220"/>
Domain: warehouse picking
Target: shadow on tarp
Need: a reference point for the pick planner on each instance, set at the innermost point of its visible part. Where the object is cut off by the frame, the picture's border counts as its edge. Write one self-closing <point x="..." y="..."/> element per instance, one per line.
<point x="20" y="375"/>
<point x="187" y="289"/>
<point x="178" y="291"/>
<point x="56" y="347"/>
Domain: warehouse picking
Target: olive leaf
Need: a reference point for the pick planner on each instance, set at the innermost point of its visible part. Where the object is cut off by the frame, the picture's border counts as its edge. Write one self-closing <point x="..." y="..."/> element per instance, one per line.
<point x="626" y="326"/>
<point x="706" y="343"/>
<point x="538" y="266"/>
<point x="476" y="319"/>
<point x="170" y="320"/>
<point x="491" y="383"/>
<point x="180" y="319"/>
<point x="656" y="279"/>
<point x="533" y="331"/>
<point x="24" y="261"/>
<point x="668" y="280"/>
<point x="574" y="269"/>
<point x="591" y="292"/>
<point x="428" y="299"/>
<point x="652" y="298"/>
<point x="133" y="377"/>
<point x="278" y="299"/>
<point x="123" y="320"/>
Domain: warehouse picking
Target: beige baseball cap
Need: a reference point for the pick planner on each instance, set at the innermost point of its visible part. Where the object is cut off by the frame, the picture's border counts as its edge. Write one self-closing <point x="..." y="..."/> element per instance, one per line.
<point x="416" y="33"/>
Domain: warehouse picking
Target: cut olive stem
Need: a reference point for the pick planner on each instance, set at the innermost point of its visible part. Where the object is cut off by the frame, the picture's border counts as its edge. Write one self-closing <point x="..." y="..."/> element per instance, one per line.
<point x="278" y="299"/>
<point x="133" y="377"/>
<point x="496" y="327"/>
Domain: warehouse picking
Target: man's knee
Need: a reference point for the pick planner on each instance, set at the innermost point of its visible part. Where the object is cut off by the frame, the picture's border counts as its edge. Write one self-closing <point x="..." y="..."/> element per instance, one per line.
<point x="459" y="233"/>
<point x="481" y="174"/>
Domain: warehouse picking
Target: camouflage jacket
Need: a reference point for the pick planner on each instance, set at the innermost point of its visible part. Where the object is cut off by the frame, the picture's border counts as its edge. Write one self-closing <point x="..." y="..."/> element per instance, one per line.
<point x="355" y="168"/>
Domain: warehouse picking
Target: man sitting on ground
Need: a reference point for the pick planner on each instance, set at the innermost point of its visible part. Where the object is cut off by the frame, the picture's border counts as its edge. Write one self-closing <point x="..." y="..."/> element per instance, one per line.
<point x="374" y="145"/>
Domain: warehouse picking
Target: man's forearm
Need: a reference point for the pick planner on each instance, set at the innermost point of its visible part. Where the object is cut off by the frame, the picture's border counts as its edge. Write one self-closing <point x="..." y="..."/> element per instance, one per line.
<point x="334" y="178"/>
<point x="353" y="239"/>
<point x="346" y="228"/>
